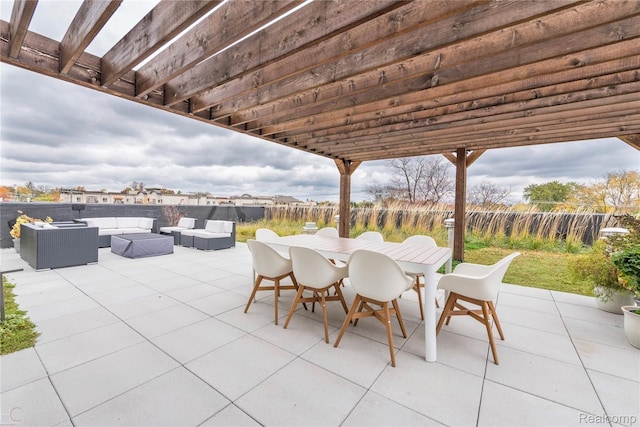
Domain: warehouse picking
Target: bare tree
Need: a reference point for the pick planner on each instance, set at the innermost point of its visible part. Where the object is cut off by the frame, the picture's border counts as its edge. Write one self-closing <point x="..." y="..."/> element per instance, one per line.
<point x="487" y="194"/>
<point x="377" y="191"/>
<point x="407" y="174"/>
<point x="437" y="182"/>
<point x="420" y="179"/>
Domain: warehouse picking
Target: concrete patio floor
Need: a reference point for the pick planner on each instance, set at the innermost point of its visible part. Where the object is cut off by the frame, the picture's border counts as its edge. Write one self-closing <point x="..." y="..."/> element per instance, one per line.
<point x="164" y="341"/>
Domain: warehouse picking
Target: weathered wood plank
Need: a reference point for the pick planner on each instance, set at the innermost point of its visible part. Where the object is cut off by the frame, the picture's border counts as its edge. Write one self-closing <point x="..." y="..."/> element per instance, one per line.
<point x="89" y="20"/>
<point x="426" y="148"/>
<point x="615" y="120"/>
<point x="550" y="73"/>
<point x="21" y="15"/>
<point x="409" y="150"/>
<point x="159" y="26"/>
<point x="480" y="111"/>
<point x="401" y="20"/>
<point x="494" y="126"/>
<point x="492" y="123"/>
<point x="373" y="66"/>
<point x="484" y="101"/>
<point x="311" y="24"/>
<point x="225" y="26"/>
<point x="428" y="71"/>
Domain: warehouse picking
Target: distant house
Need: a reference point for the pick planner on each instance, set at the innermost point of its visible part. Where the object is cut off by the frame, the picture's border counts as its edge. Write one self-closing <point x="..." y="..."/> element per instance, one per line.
<point x="155" y="196"/>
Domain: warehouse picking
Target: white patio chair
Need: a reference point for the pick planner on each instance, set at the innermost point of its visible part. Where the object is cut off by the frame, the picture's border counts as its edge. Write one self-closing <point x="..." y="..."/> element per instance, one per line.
<point x="378" y="280"/>
<point x="317" y="274"/>
<point x="269" y="264"/>
<point x="266" y="234"/>
<point x="327" y="232"/>
<point x="479" y="285"/>
<point x="418" y="282"/>
<point x="374" y="236"/>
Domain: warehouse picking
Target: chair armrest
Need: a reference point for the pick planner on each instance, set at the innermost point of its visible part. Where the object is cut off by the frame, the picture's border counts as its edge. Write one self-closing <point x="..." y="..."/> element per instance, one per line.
<point x="469" y="269"/>
<point x="473" y="287"/>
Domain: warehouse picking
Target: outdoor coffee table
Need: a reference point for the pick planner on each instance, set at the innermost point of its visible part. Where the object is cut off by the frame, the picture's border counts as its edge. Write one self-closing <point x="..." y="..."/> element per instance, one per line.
<point x="141" y="245"/>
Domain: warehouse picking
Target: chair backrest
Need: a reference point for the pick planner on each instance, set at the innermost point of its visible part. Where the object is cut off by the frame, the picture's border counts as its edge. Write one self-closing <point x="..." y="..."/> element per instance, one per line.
<point x="187" y="222"/>
<point x="486" y="278"/>
<point x="266" y="234"/>
<point x="267" y="261"/>
<point x="313" y="269"/>
<point x="327" y="232"/>
<point x="377" y="276"/>
<point x="421" y="239"/>
<point x="371" y="235"/>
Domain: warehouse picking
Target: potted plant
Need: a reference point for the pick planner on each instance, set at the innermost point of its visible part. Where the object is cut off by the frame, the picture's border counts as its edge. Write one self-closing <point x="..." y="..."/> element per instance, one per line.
<point x="15" y="228"/>
<point x="625" y="254"/>
<point x="626" y="257"/>
<point x="598" y="268"/>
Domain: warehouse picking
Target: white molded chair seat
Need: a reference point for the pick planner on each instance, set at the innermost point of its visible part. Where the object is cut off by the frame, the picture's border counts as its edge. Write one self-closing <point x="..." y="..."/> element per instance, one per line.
<point x="271" y="265"/>
<point x="418" y="284"/>
<point x="476" y="284"/>
<point x="315" y="273"/>
<point x="374" y="236"/>
<point x="378" y="280"/>
<point x="327" y="232"/>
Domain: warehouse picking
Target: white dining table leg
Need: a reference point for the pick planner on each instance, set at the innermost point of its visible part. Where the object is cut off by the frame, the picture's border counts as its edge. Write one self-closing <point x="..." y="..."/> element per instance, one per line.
<point x="430" y="284"/>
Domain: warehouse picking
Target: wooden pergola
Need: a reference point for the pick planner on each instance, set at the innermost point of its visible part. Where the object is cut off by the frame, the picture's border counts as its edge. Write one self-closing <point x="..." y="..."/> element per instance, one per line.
<point x="360" y="80"/>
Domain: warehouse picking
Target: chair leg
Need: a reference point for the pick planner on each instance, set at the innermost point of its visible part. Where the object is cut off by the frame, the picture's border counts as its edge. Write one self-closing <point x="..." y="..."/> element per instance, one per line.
<point x="341" y="296"/>
<point x="323" y="303"/>
<point x="276" y="294"/>
<point x="387" y="316"/>
<point x="487" y="323"/>
<point x="399" y="317"/>
<point x="294" y="305"/>
<point x="448" y="307"/>
<point x="494" y="313"/>
<point x="347" y="320"/>
<point x="256" y="285"/>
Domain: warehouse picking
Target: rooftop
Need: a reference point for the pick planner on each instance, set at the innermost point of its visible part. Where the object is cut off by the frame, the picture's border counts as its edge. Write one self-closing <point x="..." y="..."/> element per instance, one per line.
<point x="164" y="341"/>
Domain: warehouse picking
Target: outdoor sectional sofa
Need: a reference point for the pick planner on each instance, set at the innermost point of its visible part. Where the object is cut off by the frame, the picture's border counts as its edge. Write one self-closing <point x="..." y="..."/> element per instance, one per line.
<point x="54" y="245"/>
<point x="215" y="235"/>
<point x="108" y="226"/>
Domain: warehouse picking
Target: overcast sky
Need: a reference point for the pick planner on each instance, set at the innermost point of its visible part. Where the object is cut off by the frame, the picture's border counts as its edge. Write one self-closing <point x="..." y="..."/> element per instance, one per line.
<point x="57" y="134"/>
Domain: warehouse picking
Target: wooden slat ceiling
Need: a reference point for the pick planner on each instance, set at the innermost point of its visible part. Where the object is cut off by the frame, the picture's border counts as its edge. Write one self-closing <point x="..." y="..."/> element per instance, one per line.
<point x="358" y="80"/>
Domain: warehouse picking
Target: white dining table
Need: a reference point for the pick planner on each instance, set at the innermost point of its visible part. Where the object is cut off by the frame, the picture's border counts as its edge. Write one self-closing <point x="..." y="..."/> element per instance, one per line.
<point x="413" y="257"/>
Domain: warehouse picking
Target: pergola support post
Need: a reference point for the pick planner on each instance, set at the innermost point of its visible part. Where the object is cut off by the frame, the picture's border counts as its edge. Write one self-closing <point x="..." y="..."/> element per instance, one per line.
<point x="346" y="168"/>
<point x="460" y="204"/>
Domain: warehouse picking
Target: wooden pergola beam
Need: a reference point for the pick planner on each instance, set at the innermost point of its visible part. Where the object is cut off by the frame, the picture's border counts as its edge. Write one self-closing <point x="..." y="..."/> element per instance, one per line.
<point x="163" y="23"/>
<point x="311" y="25"/>
<point x="633" y="140"/>
<point x="21" y="16"/>
<point x="89" y="20"/>
<point x="233" y="21"/>
<point x="481" y="101"/>
<point x="376" y="79"/>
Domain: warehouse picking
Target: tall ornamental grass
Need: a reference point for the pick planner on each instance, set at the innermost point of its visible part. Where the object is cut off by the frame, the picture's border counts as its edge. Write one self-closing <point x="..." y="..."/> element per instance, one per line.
<point x="504" y="227"/>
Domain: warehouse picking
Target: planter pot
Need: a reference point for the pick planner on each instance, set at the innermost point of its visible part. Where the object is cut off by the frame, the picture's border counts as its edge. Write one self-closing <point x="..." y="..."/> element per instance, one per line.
<point x="613" y="305"/>
<point x="16" y="245"/>
<point x="631" y="325"/>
